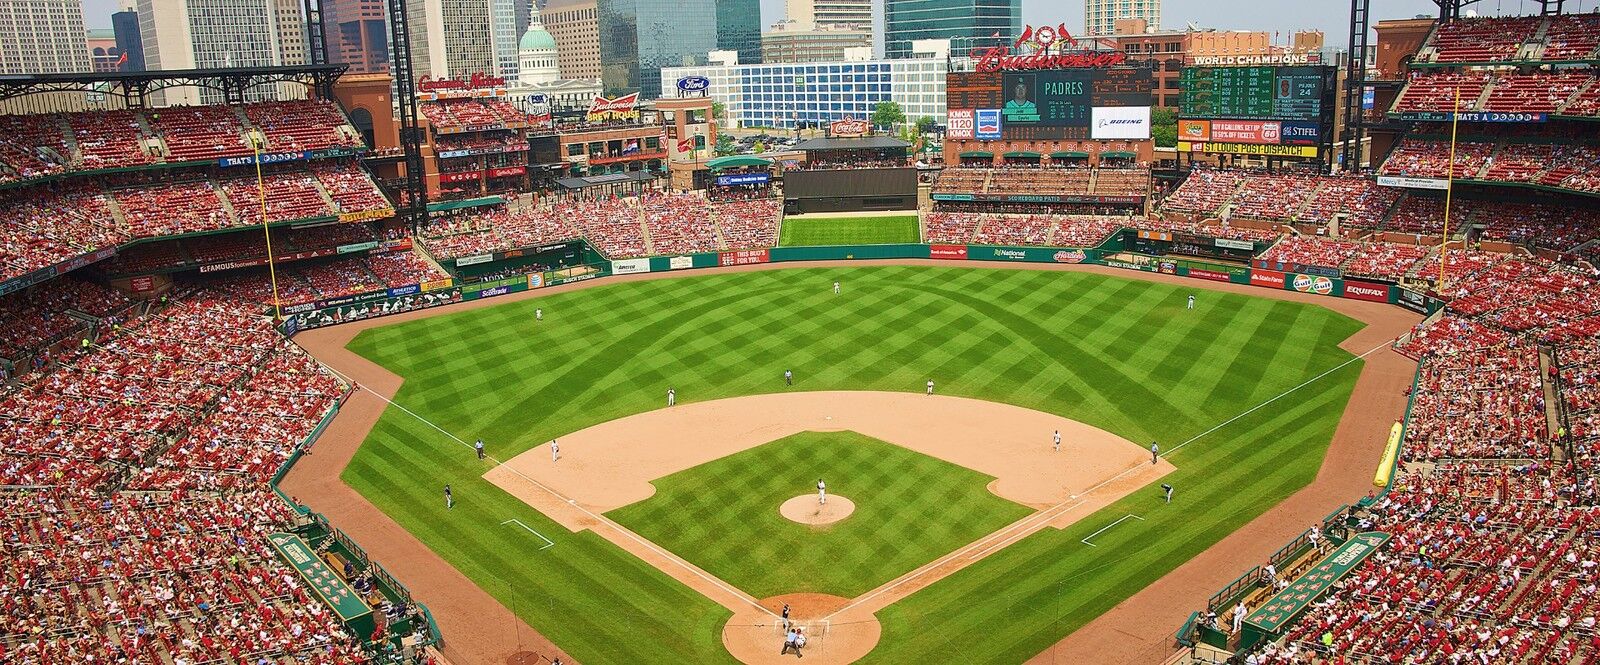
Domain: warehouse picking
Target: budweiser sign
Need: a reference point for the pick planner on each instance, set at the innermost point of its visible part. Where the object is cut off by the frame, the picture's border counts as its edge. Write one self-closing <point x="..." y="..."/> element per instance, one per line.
<point x="1041" y="41"/>
<point x="476" y="81"/>
<point x="626" y="106"/>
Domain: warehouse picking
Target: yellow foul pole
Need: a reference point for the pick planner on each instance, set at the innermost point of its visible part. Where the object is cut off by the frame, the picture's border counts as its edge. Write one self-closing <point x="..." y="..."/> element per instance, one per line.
<point x="272" y="267"/>
<point x="1449" y="188"/>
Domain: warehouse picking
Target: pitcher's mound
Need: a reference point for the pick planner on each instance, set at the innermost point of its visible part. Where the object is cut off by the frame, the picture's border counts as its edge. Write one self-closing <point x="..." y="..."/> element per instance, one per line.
<point x="805" y="509"/>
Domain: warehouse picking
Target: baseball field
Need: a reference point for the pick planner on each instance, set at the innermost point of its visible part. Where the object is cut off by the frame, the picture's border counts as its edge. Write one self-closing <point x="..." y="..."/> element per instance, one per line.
<point x="625" y="578"/>
<point x="833" y="229"/>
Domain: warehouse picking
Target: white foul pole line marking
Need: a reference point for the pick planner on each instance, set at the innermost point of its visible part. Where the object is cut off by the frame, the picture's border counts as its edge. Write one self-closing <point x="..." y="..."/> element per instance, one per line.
<point x="1103" y="529"/>
<point x="550" y="543"/>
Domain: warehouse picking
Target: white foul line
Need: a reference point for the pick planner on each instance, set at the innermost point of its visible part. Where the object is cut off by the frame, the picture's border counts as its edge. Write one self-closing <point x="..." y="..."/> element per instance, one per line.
<point x="1102" y="529"/>
<point x="518" y="522"/>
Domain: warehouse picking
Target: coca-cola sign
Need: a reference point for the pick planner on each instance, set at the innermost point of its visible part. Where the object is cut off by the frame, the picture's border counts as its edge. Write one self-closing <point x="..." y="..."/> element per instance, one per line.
<point x="847" y="127"/>
<point x="477" y="81"/>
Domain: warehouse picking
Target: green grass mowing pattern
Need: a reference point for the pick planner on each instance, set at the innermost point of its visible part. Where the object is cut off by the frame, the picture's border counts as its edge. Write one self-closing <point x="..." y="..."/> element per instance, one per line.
<point x="1119" y="354"/>
<point x="849" y="231"/>
<point x="910" y="509"/>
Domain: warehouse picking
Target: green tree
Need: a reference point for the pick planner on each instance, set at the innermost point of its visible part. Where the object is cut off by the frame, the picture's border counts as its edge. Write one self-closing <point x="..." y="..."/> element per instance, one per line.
<point x="925" y="125"/>
<point x="758" y="148"/>
<point x="887" y="114"/>
<point x="725" y="145"/>
<point x="718" y="109"/>
<point x="1164" y="127"/>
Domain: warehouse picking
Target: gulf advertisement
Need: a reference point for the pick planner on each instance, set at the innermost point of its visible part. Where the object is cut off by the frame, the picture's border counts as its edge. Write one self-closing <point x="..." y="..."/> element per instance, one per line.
<point x="1322" y="286"/>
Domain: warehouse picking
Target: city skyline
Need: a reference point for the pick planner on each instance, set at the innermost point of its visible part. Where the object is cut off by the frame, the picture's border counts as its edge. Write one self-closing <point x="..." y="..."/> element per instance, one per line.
<point x="1331" y="18"/>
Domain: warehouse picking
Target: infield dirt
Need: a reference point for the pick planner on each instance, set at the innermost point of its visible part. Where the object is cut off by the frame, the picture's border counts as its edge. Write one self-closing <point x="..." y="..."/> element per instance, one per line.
<point x="481" y="630"/>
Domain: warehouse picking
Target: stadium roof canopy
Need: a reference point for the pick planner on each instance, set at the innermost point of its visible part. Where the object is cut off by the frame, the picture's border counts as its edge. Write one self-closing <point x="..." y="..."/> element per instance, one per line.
<point x="607" y="179"/>
<point x="862" y="143"/>
<point x="737" y="160"/>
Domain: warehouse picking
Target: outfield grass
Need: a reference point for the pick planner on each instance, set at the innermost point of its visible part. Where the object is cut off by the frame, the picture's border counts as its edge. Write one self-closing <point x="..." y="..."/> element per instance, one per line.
<point x="910" y="509"/>
<point x="812" y="231"/>
<point x="1121" y="355"/>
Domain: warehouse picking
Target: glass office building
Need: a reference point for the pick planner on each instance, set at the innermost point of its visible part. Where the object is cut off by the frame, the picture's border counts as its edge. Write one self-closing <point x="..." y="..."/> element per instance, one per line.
<point x="779" y="95"/>
<point x="739" y="29"/>
<point x="968" y="24"/>
<point x="640" y="37"/>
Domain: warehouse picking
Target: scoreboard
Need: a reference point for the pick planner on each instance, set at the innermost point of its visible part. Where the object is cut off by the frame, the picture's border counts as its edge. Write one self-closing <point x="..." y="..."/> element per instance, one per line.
<point x="1266" y="93"/>
<point x="1045" y="104"/>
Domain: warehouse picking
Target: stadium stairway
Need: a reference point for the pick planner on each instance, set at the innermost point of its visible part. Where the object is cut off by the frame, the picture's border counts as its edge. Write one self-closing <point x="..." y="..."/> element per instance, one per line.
<point x="715" y="215"/>
<point x="644" y="232"/>
<point x="1552" y="400"/>
<point x="327" y="197"/>
<point x="222" y="197"/>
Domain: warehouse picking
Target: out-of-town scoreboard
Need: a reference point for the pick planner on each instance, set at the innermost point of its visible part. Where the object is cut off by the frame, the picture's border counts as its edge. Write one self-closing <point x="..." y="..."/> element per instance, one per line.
<point x="1264" y="110"/>
<point x="1256" y="93"/>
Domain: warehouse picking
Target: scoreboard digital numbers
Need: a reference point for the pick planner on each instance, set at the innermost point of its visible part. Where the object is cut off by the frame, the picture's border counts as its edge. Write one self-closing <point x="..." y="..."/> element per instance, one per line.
<point x="1269" y="93"/>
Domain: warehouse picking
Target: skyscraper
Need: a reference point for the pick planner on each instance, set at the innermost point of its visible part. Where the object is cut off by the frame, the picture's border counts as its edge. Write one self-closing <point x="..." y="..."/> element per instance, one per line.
<point x="830" y="14"/>
<point x="42" y="37"/>
<point x="358" y="34"/>
<point x="203" y="34"/>
<point x="577" y="34"/>
<point x="125" y="25"/>
<point x="459" y="38"/>
<point x="1100" y="16"/>
<point x="739" y="29"/>
<point x="968" y="24"/>
<point x="639" y="37"/>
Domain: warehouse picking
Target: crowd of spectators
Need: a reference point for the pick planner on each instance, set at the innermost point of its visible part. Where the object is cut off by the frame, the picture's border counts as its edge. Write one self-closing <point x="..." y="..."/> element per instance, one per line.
<point x="309" y="282"/>
<point x="1054" y="181"/>
<point x="497" y="228"/>
<point x="1422" y="158"/>
<point x="39" y="316"/>
<point x="748" y="224"/>
<point x="474" y="114"/>
<point x="679" y="223"/>
<point x="1205" y="191"/>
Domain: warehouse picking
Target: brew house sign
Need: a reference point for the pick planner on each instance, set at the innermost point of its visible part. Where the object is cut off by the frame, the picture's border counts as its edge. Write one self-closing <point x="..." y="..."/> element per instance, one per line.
<point x="1052" y="48"/>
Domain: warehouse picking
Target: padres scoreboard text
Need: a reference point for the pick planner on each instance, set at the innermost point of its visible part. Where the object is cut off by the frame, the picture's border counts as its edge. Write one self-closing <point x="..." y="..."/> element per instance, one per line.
<point x="1045" y="104"/>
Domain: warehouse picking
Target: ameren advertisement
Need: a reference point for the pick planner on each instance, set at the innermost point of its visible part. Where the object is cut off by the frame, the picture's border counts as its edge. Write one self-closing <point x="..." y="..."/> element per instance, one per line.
<point x="1250" y="149"/>
<point x="1119" y="122"/>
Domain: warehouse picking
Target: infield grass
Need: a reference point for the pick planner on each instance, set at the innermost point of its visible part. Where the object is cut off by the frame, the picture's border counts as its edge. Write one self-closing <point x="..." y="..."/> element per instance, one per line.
<point x="910" y="508"/>
<point x="812" y="231"/>
<point x="1119" y="354"/>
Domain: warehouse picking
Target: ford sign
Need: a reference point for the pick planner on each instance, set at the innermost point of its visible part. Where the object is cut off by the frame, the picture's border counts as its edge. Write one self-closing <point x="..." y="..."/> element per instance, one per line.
<point x="693" y="83"/>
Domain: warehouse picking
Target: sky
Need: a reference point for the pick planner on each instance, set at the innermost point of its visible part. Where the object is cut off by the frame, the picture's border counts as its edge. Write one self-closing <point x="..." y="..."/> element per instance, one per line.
<point x="1284" y="16"/>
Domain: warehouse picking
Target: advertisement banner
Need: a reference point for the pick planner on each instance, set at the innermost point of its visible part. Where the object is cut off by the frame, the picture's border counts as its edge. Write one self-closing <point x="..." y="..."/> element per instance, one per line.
<point x="474" y="260"/>
<point x="680" y="262"/>
<point x="266" y="158"/>
<point x="1069" y="256"/>
<point x="364" y="215"/>
<point x="142" y="284"/>
<point x="1230" y="243"/>
<point x="507" y="171"/>
<point x="1194" y="130"/>
<point x="848" y="127"/>
<point x="948" y="252"/>
<point x="1006" y="254"/>
<point x="1119" y="122"/>
<point x="1299" y="132"/>
<point x="959" y="124"/>
<point x="1473" y="116"/>
<point x="460" y="176"/>
<point x="536" y="280"/>
<point x="743" y="257"/>
<point x="743" y="179"/>
<point x="1411" y="300"/>
<point x="1246" y="131"/>
<point x="1212" y="275"/>
<point x="987" y="124"/>
<point x="1413" y="183"/>
<point x="1250" y="149"/>
<point x="1366" y="291"/>
<point x="1317" y="284"/>
<point x="438" y="284"/>
<point x="404" y="290"/>
<point x="1268" y="278"/>
<point x="356" y="247"/>
<point x="630" y="266"/>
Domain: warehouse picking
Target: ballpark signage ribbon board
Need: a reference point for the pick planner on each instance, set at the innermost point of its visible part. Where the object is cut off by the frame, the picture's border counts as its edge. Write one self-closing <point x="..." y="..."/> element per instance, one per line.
<point x="330" y="587"/>
<point x="1249" y="149"/>
<point x="1282" y="608"/>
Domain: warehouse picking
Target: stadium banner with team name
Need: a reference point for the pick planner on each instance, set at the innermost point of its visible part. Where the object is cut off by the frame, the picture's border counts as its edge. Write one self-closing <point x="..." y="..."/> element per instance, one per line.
<point x="1289" y="603"/>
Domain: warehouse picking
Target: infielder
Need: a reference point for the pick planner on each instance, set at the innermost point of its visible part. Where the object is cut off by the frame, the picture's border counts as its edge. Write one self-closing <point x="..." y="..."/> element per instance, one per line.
<point x="1155" y="451"/>
<point x="672" y="397"/>
<point x="555" y="450"/>
<point x="822" y="492"/>
<point x="1058" y="441"/>
<point x="1191" y="301"/>
<point x="1168" y="489"/>
<point x="930" y="386"/>
<point x="835" y="288"/>
<point x="449" y="501"/>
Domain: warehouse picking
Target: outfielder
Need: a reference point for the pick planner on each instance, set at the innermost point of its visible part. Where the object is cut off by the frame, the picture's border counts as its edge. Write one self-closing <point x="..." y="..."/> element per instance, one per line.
<point x="822" y="492"/>
<point x="479" y="447"/>
<point x="538" y="312"/>
<point x="1058" y="441"/>
<point x="788" y="377"/>
<point x="672" y="397"/>
<point x="449" y="501"/>
<point x="1191" y="301"/>
<point x="836" y="288"/>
